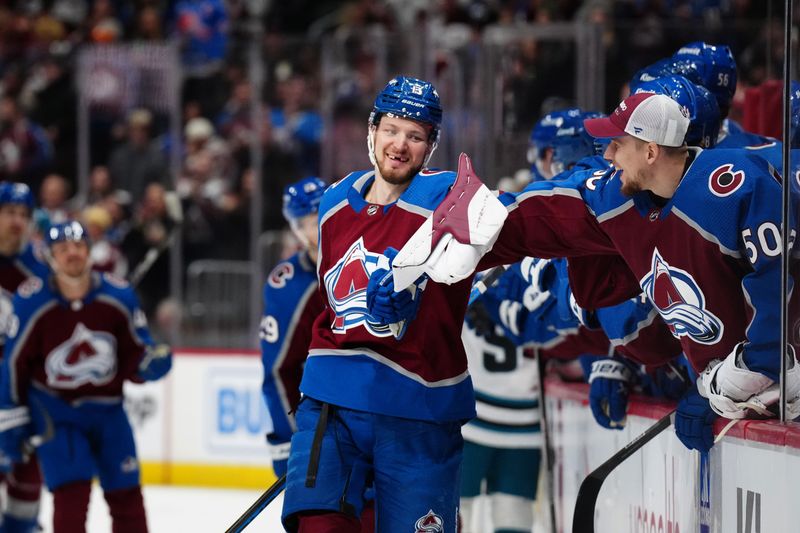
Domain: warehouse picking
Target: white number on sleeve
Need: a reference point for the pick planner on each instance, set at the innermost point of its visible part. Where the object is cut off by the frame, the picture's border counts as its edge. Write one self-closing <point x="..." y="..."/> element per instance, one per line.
<point x="767" y="241"/>
<point x="269" y="329"/>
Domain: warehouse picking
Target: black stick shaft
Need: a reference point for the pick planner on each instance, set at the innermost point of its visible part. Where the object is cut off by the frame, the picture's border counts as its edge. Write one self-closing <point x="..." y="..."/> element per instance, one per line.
<point x="583" y="519"/>
<point x="260" y="504"/>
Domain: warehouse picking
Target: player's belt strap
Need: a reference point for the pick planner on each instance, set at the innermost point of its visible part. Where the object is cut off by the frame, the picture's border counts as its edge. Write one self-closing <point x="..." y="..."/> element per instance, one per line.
<point x="316" y="446"/>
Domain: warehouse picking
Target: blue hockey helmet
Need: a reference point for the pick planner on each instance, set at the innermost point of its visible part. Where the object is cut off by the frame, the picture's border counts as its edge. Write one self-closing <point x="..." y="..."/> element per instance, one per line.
<point x="711" y="66"/>
<point x="544" y="131"/>
<point x="16" y="193"/>
<point x="71" y="230"/>
<point x="794" y="101"/>
<point x="659" y="69"/>
<point x="571" y="142"/>
<point x="302" y="198"/>
<point x="410" y="98"/>
<point x="704" y="116"/>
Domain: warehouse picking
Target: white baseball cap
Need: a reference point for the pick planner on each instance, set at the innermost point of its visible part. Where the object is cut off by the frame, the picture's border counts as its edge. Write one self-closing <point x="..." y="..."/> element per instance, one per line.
<point x="647" y="116"/>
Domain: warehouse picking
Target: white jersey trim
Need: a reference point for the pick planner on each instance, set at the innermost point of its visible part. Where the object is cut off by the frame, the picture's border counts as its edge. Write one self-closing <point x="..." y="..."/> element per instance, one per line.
<point x="504" y="415"/>
<point x="496" y="439"/>
<point x="705" y="234"/>
<point x="411" y="208"/>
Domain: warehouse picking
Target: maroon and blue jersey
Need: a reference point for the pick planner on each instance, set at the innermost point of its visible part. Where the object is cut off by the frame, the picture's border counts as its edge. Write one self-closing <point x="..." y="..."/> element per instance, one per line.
<point x="13" y="271"/>
<point x="357" y="364"/>
<point x="708" y="259"/>
<point x="291" y="304"/>
<point x="79" y="350"/>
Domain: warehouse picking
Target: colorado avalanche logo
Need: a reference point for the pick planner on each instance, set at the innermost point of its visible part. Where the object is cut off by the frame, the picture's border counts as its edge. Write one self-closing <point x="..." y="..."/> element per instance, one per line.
<point x="724" y="181"/>
<point x="430" y="523"/>
<point x="87" y="357"/>
<point x="346" y="284"/>
<point x="681" y="303"/>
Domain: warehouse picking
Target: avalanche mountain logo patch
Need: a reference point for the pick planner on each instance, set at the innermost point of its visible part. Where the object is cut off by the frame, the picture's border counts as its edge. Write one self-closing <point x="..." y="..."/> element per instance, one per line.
<point x="430" y="523"/>
<point x="681" y="303"/>
<point x="346" y="283"/>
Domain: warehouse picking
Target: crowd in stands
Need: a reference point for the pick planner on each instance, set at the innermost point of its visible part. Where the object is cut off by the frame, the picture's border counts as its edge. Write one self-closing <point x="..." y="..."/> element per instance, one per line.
<point x="130" y="169"/>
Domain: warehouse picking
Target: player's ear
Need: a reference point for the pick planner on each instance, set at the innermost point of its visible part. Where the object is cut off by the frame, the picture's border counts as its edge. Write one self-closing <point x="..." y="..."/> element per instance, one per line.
<point x="652" y="151"/>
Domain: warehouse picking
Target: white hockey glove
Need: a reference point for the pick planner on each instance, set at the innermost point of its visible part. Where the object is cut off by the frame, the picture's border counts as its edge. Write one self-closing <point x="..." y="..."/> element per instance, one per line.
<point x="451" y="242"/>
<point x="533" y="272"/>
<point x="734" y="391"/>
<point x="15" y="429"/>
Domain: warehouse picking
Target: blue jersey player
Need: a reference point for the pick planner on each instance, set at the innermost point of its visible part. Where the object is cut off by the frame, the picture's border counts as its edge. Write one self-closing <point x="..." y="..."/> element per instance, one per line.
<point x="18" y="262"/>
<point x="74" y="338"/>
<point x="699" y="233"/>
<point x="540" y="146"/>
<point x="291" y="304"/>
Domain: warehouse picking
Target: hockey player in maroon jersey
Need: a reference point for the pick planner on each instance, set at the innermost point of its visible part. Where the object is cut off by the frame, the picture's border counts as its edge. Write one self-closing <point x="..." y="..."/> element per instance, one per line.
<point x="699" y="231"/>
<point x="380" y="390"/>
<point x="73" y="340"/>
<point x="18" y="262"/>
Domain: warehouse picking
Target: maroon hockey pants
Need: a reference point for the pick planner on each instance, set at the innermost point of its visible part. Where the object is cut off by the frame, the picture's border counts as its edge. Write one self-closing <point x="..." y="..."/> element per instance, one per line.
<point x="339" y="522"/>
<point x="71" y="503"/>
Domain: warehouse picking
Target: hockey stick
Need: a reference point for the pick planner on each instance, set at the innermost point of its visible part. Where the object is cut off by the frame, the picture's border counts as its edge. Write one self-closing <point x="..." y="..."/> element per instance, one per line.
<point x="547" y="453"/>
<point x="175" y="214"/>
<point x="260" y="504"/>
<point x="583" y="518"/>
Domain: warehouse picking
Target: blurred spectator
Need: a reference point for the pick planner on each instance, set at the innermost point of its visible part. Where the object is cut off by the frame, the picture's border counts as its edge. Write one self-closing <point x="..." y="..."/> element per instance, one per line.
<point x="138" y="162"/>
<point x="200" y="138"/>
<point x="234" y="120"/>
<point x="202" y="29"/>
<point x="54" y="107"/>
<point x="105" y="256"/>
<point x="278" y="169"/>
<point x="53" y="198"/>
<point x="296" y="125"/>
<point x="25" y="151"/>
<point x="100" y="188"/>
<point x="150" y="229"/>
<point x="119" y="206"/>
<point x="102" y="25"/>
<point x="148" y="25"/>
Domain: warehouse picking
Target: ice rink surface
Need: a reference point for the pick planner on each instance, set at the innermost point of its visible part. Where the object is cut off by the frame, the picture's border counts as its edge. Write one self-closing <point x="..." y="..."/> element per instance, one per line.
<point x="171" y="509"/>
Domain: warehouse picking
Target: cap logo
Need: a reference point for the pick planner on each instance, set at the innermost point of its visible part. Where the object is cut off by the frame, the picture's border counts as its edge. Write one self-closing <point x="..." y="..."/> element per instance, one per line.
<point x="623" y="106"/>
<point x="416" y="88"/>
<point x="637" y="129"/>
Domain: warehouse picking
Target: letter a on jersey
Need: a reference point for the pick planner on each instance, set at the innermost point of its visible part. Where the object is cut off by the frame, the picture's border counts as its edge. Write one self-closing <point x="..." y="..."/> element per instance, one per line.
<point x="346" y="283"/>
<point x="681" y="303"/>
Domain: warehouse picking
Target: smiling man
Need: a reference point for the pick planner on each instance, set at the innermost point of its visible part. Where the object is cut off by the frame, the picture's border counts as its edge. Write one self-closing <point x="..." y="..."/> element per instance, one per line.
<point x="382" y="399"/>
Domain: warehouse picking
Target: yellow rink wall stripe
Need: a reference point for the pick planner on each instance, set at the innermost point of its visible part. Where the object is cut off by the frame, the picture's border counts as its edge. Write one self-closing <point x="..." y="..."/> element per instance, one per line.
<point x="205" y="475"/>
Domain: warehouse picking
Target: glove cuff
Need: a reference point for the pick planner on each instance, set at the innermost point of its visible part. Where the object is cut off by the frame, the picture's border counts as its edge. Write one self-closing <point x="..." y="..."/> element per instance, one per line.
<point x="611" y="369"/>
<point x="279" y="452"/>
